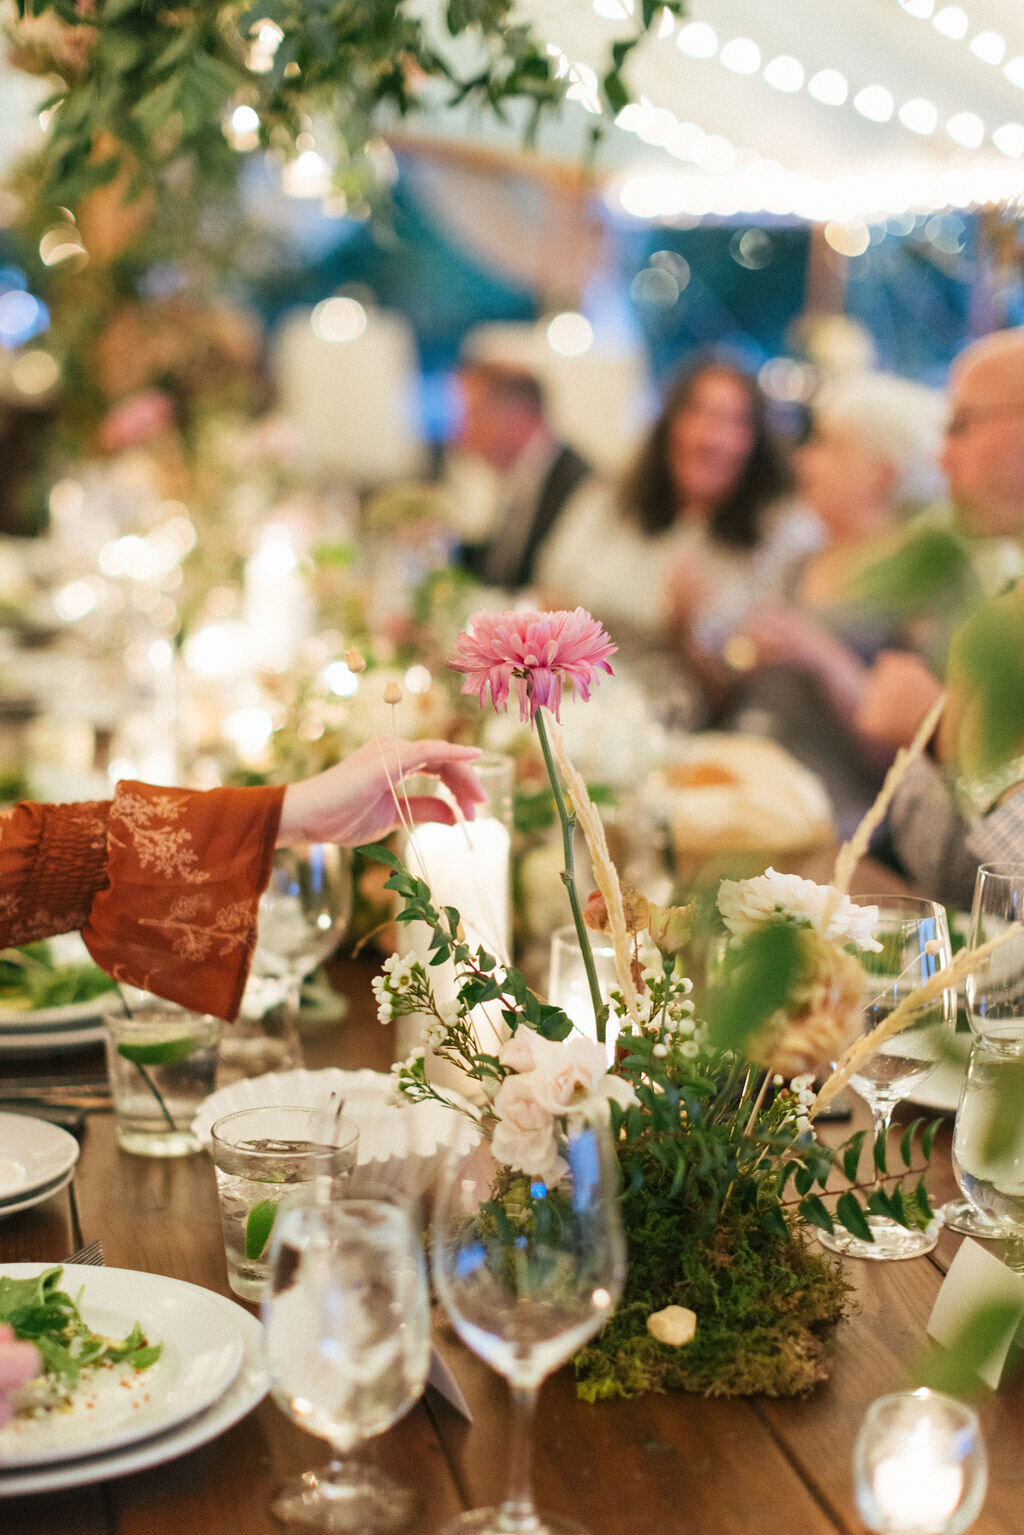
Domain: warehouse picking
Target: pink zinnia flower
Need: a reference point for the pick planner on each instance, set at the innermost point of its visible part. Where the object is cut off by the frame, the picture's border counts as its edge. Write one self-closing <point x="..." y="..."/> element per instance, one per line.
<point x="538" y="650"/>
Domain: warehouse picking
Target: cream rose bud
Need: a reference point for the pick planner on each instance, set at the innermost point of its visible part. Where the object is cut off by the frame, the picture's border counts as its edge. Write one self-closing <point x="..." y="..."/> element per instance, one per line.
<point x="524" y="1136"/>
<point x="675" y="1325"/>
<point x="518" y="1052"/>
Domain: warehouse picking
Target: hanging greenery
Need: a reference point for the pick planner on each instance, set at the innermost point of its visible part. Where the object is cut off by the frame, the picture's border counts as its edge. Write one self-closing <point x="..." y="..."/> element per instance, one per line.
<point x="143" y="88"/>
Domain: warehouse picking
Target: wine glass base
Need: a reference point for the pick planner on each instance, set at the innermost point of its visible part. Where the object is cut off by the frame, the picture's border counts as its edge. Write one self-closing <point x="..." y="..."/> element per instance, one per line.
<point x="348" y="1498"/>
<point x="891" y="1241"/>
<point x="960" y="1215"/>
<point x="494" y="1521"/>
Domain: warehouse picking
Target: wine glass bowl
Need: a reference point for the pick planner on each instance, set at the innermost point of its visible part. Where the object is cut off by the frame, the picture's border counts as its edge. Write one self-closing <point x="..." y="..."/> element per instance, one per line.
<point x="988" y="1141"/>
<point x="994" y="993"/>
<point x="527" y="1270"/>
<point x="914" y="946"/>
<point x="347" y="1342"/>
<point x="304" y="909"/>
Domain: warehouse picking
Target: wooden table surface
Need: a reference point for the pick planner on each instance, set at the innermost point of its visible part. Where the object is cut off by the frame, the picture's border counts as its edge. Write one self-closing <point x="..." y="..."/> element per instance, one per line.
<point x="651" y="1467"/>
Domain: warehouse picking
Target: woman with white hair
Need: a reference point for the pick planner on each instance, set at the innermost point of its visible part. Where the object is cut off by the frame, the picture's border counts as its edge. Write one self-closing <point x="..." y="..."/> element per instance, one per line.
<point x="870" y="464"/>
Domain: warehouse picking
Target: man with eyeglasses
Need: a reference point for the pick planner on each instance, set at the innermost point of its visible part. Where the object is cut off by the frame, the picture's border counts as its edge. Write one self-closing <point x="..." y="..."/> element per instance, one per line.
<point x="944" y="826"/>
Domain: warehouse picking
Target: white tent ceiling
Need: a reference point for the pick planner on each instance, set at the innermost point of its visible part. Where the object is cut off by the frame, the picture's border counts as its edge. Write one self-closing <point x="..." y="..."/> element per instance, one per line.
<point x="763" y="148"/>
<point x="888" y="44"/>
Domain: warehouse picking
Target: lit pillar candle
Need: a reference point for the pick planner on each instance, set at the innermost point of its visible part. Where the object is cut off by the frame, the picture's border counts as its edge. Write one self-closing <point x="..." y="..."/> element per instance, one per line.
<point x="467" y="866"/>
<point x="277" y="604"/>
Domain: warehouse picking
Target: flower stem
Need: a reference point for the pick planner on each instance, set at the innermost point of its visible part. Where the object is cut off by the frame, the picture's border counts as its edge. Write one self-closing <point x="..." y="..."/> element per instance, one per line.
<point x="569" y="880"/>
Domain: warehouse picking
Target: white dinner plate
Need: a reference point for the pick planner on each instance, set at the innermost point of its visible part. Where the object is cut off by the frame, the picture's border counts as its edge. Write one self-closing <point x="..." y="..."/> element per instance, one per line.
<point x="203" y="1350"/>
<point x="248" y="1388"/>
<point x="72" y="1015"/>
<point x="33" y="1153"/>
<point x="44" y="1041"/>
<point x="37" y="1197"/>
<point x="941" y="1090"/>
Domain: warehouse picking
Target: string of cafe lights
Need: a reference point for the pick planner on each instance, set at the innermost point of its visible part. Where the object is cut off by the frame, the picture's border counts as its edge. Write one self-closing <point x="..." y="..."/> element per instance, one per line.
<point x="726" y="181"/>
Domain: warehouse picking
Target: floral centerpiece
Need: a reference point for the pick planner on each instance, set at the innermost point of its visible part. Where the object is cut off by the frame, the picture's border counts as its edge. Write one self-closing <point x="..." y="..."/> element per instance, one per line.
<point x="712" y="1112"/>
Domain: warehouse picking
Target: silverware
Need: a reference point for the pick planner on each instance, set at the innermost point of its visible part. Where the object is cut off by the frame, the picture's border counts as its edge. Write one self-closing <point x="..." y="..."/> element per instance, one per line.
<point x="12" y="1088"/>
<point x="92" y="1254"/>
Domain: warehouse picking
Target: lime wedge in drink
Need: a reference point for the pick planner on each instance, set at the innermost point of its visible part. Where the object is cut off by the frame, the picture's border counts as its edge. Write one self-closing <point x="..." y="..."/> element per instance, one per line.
<point x="259" y="1226"/>
<point x="165" y="1053"/>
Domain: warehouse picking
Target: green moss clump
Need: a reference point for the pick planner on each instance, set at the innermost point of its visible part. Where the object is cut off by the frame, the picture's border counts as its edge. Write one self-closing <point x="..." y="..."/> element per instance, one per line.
<point x="765" y="1309"/>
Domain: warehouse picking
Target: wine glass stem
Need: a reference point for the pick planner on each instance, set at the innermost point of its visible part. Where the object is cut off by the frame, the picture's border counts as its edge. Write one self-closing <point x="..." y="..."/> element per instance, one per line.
<point x="1013" y="1253"/>
<point x="518" y="1511"/>
<point x="292" y="1006"/>
<point x="882" y="1116"/>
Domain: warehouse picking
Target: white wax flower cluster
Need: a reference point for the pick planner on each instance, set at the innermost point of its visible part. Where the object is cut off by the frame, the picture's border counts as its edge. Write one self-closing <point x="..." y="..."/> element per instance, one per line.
<point x="747" y="904"/>
<point x="550" y="1083"/>
<point x="801" y="1093"/>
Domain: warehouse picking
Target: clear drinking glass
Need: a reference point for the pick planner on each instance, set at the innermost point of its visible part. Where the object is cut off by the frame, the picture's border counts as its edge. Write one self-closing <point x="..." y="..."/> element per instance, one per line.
<point x="995" y="995"/>
<point x="919" y="1465"/>
<point x="568" y="987"/>
<point x="915" y="945"/>
<point x="347" y="1340"/>
<point x="526" y="1281"/>
<point x="303" y="914"/>
<point x="988" y="1140"/>
<point x="260" y="1155"/>
<point x="161" y="1060"/>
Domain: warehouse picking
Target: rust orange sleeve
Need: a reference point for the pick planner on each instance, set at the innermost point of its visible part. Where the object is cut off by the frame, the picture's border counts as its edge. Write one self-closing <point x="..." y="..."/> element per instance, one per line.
<point x="53" y="863"/>
<point x="185" y="871"/>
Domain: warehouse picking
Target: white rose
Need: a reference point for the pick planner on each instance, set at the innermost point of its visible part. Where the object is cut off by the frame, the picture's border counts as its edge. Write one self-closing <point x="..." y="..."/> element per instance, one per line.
<point x="748" y="904"/>
<point x="524" y="1136"/>
<point x="518" y="1052"/>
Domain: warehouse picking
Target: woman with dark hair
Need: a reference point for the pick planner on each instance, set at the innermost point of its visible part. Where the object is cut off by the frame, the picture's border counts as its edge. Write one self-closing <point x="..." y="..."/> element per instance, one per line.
<point x="700" y="529"/>
<point x="709" y="453"/>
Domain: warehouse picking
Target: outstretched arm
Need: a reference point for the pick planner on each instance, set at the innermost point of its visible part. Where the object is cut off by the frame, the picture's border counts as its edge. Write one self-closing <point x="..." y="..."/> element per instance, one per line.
<point x="358" y="800"/>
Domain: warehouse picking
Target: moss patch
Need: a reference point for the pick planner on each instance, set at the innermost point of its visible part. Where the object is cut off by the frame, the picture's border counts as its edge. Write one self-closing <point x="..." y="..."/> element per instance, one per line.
<point x="765" y="1308"/>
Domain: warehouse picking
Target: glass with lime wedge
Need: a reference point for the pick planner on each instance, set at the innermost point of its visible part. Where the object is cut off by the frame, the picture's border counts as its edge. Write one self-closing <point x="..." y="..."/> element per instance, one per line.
<point x="162" y="1061"/>
<point x="261" y="1155"/>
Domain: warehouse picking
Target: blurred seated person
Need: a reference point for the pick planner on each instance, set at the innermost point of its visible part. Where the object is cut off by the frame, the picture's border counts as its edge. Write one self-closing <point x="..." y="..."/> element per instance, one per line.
<point x="701" y="527"/>
<point x="946" y="820"/>
<point x="870" y="464"/>
<point x="164" y="884"/>
<point x="505" y="424"/>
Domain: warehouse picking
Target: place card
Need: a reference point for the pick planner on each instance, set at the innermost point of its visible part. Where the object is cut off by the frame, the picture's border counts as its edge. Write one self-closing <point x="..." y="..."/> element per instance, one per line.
<point x="977" y="1278"/>
<point x="444" y="1383"/>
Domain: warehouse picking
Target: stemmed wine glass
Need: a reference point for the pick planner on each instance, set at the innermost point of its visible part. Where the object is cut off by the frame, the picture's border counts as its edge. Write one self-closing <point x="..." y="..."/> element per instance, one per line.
<point x="995" y="997"/>
<point x="302" y="915"/>
<point x="527" y="1272"/>
<point x="347" y="1339"/>
<point x="915" y="945"/>
<point x="988" y="1141"/>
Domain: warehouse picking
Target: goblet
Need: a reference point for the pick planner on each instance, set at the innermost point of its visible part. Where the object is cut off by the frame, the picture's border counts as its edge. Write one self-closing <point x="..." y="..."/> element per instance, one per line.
<point x="302" y="915"/>
<point x="347" y="1341"/>
<point x="995" y="996"/>
<point x="988" y="1140"/>
<point x="919" y="1465"/>
<point x="528" y="1269"/>
<point x="915" y="945"/>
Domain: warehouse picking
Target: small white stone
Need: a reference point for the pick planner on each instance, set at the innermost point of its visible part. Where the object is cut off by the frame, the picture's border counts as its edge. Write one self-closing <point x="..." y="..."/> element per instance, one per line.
<point x="675" y="1325"/>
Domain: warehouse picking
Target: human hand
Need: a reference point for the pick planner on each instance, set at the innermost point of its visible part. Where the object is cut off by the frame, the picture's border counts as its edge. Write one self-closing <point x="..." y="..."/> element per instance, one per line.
<point x="355" y="802"/>
<point x="783" y="636"/>
<point x="685" y="590"/>
<point x="18" y="1363"/>
<point x="897" y="693"/>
